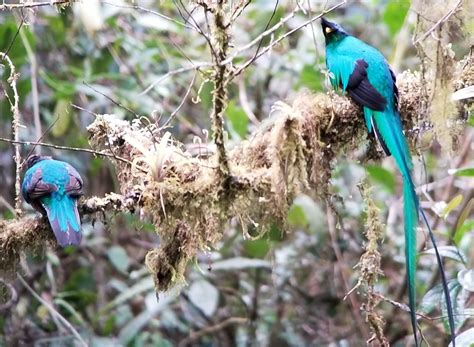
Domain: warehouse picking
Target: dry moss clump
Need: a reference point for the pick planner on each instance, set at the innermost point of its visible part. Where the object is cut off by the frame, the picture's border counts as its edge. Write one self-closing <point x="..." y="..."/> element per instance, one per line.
<point x="19" y="236"/>
<point x="184" y="197"/>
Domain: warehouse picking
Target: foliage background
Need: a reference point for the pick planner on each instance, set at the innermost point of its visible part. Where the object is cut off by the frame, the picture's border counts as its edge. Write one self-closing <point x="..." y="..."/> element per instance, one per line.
<point x="285" y="289"/>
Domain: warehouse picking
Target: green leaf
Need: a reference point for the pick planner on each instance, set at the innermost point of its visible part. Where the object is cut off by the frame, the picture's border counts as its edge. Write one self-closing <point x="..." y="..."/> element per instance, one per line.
<point x="435" y="296"/>
<point x="80" y="288"/>
<point x="276" y="234"/>
<point x="63" y="112"/>
<point x="394" y="15"/>
<point x="204" y="296"/>
<point x="382" y="176"/>
<point x="306" y="213"/>
<point x="53" y="258"/>
<point x="256" y="248"/>
<point x="108" y="326"/>
<point x="460" y="229"/>
<point x="465" y="339"/>
<point x="469" y="172"/>
<point x="458" y="300"/>
<point x="431" y="299"/>
<point x="17" y="51"/>
<point x="153" y="307"/>
<point x="451" y="205"/>
<point x="297" y="216"/>
<point x="467" y="226"/>
<point x="144" y="285"/>
<point x="451" y="252"/>
<point x="63" y="89"/>
<point x="72" y="311"/>
<point x="311" y="78"/>
<point x="119" y="258"/>
<point x="470" y="121"/>
<point x="238" y="119"/>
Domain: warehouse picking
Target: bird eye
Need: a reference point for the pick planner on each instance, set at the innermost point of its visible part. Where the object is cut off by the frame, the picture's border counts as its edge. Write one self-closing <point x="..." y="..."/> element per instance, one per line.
<point x="328" y="30"/>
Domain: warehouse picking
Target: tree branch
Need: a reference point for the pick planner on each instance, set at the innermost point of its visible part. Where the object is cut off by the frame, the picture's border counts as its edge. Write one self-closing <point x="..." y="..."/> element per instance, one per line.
<point x="291" y="152"/>
<point x="34" y="4"/>
<point x="15" y="126"/>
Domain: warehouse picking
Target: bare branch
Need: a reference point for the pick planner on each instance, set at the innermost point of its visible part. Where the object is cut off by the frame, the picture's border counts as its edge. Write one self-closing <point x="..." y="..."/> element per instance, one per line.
<point x="278" y="40"/>
<point x="15" y="127"/>
<point x="259" y="38"/>
<point x="53" y="311"/>
<point x="34" y="4"/>
<point x="66" y="148"/>
<point x="438" y="23"/>
<point x="146" y="10"/>
<point x="183" y="100"/>
<point x="212" y="330"/>
<point x="175" y="72"/>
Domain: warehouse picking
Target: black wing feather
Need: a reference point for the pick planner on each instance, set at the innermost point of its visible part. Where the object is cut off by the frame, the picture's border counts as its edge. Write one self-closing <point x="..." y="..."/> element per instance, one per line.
<point x="360" y="89"/>
<point x="363" y="93"/>
<point x="395" y="89"/>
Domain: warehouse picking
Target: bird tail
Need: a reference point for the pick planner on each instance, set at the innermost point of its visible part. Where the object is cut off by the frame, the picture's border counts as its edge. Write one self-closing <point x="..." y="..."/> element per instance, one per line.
<point x="410" y="212"/>
<point x="390" y="128"/>
<point x="64" y="219"/>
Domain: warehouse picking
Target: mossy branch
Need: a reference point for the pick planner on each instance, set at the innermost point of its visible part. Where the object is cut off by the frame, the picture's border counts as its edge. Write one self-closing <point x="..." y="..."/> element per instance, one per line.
<point x="291" y="152"/>
<point x="220" y="38"/>
<point x="34" y="233"/>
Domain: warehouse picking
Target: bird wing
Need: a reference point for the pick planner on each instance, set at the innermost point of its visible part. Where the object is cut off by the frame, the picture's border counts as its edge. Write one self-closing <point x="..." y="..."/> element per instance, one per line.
<point x="361" y="90"/>
<point x="74" y="186"/>
<point x="395" y="89"/>
<point x="34" y="187"/>
<point x="354" y="80"/>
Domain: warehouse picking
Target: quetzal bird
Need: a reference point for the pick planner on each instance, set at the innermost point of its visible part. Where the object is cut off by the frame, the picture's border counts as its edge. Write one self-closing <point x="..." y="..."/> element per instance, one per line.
<point x="362" y="72"/>
<point x="52" y="187"/>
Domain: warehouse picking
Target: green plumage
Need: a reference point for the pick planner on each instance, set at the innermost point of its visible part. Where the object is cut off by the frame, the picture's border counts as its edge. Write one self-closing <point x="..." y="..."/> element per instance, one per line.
<point x="362" y="71"/>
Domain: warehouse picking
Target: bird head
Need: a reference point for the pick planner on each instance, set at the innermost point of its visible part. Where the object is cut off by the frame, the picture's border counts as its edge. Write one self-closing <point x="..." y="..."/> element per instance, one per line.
<point x="332" y="31"/>
<point x="35" y="158"/>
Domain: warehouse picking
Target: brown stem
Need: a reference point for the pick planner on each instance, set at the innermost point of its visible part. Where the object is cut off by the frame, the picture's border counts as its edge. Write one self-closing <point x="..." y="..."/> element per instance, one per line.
<point x="221" y="39"/>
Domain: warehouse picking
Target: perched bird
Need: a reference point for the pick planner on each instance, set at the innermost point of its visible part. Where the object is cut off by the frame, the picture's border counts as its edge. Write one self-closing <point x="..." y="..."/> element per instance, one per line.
<point x="52" y="187"/>
<point x="362" y="72"/>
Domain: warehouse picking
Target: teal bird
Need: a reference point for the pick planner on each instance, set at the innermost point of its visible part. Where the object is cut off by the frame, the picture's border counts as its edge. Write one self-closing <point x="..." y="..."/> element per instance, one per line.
<point x="362" y="72"/>
<point x="52" y="187"/>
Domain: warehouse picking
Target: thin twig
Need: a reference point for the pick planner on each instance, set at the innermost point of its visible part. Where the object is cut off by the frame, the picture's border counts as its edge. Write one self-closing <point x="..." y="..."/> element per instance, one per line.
<point x="212" y="329"/>
<point x="33" y="4"/>
<point x="244" y="102"/>
<point x="238" y="11"/>
<point x="66" y="148"/>
<point x="117" y="103"/>
<point x="174" y="72"/>
<point x="196" y="24"/>
<point x="260" y="37"/>
<point x="340" y="262"/>
<point x="15" y="128"/>
<point x="14" y="38"/>
<point x="32" y="150"/>
<point x="146" y="10"/>
<point x="53" y="311"/>
<point x="183" y="100"/>
<point x="278" y="40"/>
<point x="442" y="20"/>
